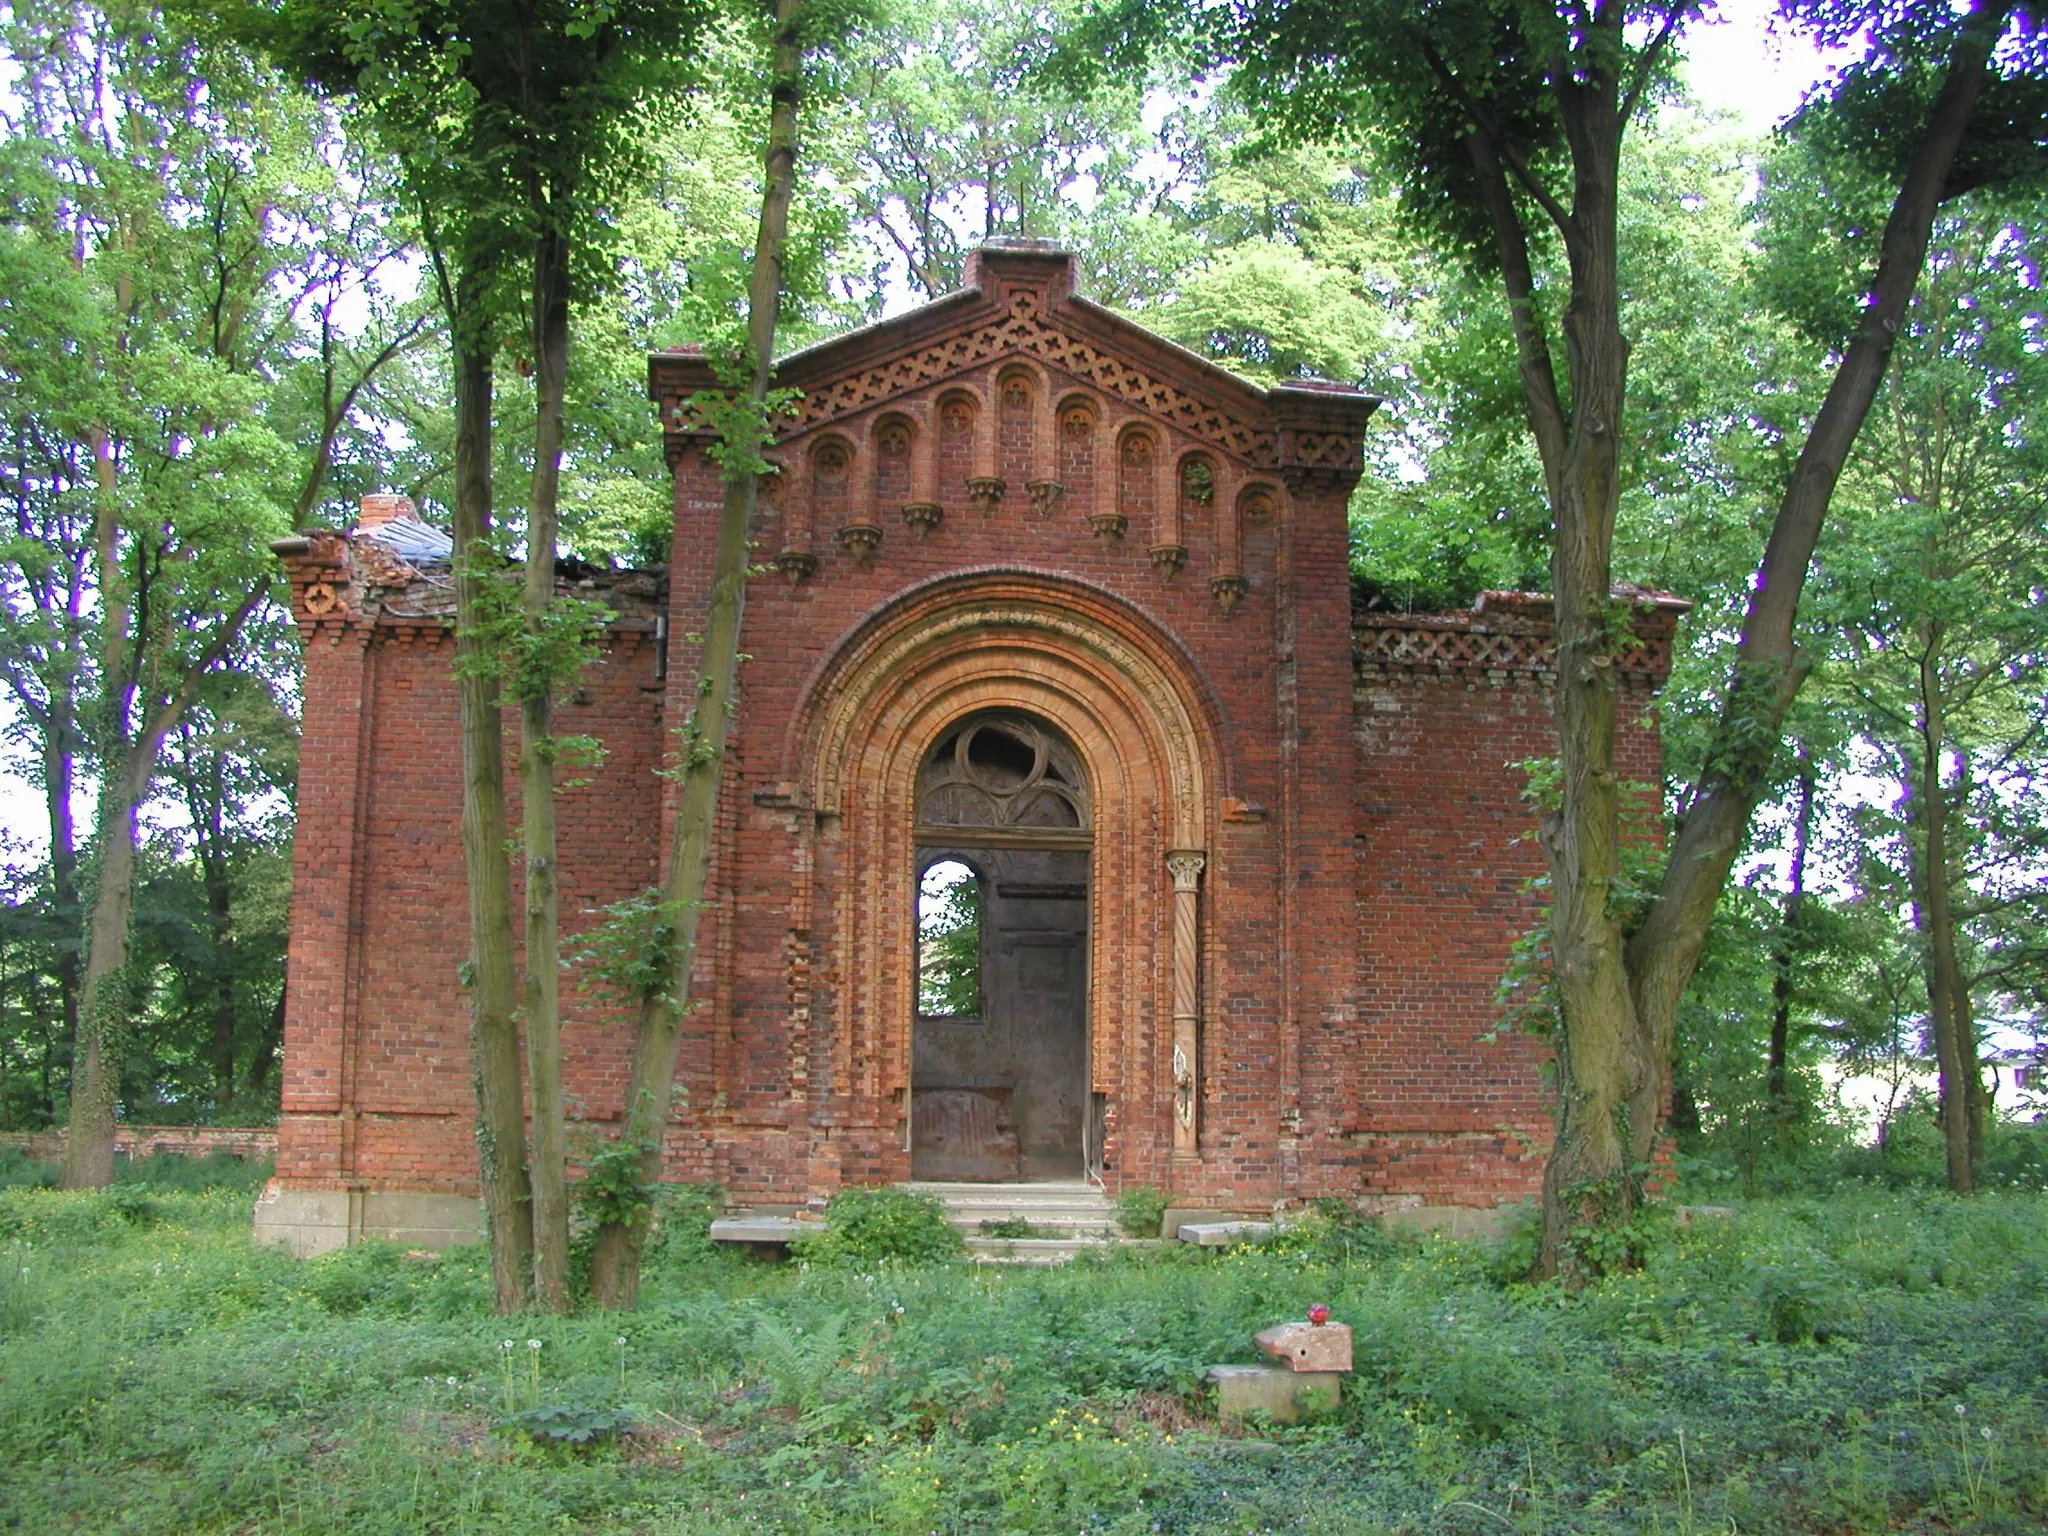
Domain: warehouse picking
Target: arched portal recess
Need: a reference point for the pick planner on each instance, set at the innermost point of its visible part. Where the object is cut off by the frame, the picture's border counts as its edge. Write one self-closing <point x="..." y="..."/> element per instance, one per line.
<point x="1122" y="696"/>
<point x="999" y="1055"/>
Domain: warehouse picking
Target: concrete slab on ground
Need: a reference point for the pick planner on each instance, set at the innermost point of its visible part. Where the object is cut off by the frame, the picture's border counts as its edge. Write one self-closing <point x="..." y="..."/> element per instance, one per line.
<point x="750" y="1228"/>
<point x="1223" y="1234"/>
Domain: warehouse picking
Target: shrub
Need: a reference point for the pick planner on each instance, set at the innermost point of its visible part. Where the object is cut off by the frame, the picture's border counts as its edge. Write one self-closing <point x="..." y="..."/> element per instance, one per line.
<point x="798" y="1364"/>
<point x="164" y="1171"/>
<point x="568" y="1426"/>
<point x="20" y="1171"/>
<point x="1140" y="1210"/>
<point x="683" y="1214"/>
<point x="866" y="1223"/>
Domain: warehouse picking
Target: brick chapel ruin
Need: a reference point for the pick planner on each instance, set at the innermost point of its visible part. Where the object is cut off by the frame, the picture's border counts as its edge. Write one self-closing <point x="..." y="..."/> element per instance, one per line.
<point x="1061" y="621"/>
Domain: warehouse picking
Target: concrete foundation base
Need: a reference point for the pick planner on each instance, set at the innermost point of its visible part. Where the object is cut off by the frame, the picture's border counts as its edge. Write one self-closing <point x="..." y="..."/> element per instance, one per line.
<point x="313" y="1221"/>
<point x="1486" y="1223"/>
<point x="1284" y="1396"/>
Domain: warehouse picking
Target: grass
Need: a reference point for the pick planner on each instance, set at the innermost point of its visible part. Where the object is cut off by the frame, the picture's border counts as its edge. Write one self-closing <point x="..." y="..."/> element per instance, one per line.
<point x="1873" y="1361"/>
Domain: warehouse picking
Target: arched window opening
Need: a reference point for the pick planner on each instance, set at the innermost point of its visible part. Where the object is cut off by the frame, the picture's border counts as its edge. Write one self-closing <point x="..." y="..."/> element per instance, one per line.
<point x="1015" y="406"/>
<point x="949" y="943"/>
<point x="1135" y="490"/>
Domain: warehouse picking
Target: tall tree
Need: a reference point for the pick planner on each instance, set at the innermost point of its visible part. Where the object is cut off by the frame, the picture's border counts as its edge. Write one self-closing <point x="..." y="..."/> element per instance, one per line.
<point x="522" y="125"/>
<point x="1507" y="123"/>
<point x="952" y="147"/>
<point x="1943" y="649"/>
<point x="615" y="1260"/>
<point x="178" y="275"/>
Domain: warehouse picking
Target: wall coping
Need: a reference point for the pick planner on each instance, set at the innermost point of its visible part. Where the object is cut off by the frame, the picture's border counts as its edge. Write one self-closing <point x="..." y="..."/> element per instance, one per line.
<point x="1509" y="632"/>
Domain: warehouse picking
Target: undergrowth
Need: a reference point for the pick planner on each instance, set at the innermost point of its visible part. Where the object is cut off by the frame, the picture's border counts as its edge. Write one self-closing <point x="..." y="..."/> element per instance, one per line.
<point x="1867" y="1361"/>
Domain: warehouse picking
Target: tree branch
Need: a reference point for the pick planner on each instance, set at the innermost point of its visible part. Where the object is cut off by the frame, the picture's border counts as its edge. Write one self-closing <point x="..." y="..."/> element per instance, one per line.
<point x="1532" y="347"/>
<point x="1646" y="65"/>
<point x="1506" y="152"/>
<point x="1769" y="670"/>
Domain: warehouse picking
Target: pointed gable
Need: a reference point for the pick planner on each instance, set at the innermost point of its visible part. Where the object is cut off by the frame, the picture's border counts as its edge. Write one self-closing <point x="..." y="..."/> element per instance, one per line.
<point x="1018" y="302"/>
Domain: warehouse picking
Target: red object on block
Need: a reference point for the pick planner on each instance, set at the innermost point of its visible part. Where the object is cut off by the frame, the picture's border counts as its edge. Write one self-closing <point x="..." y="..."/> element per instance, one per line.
<point x="1319" y="1314"/>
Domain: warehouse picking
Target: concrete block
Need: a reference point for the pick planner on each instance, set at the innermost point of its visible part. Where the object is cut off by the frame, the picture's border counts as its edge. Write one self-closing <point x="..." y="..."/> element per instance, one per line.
<point x="1308" y="1346"/>
<point x="1178" y="1216"/>
<point x="761" y="1229"/>
<point x="1222" y="1234"/>
<point x="1284" y="1396"/>
<point x="419" y="1220"/>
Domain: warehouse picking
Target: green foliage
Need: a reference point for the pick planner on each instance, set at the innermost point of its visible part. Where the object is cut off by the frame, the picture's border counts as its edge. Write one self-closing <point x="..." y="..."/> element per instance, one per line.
<point x="949" y="943"/>
<point x="868" y="1224"/>
<point x="613" y="1190"/>
<point x="1141" y="1209"/>
<point x="683" y="1214"/>
<point x="145" y="1373"/>
<point x="798" y="1363"/>
<point x="631" y="953"/>
<point x="953" y="142"/>
<point x="568" y="1426"/>
<point x="1010" y="1227"/>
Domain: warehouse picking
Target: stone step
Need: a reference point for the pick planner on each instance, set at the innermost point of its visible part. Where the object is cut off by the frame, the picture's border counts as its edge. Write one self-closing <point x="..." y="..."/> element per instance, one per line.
<point x="1068" y="1209"/>
<point x="1064" y="1217"/>
<point x="1016" y="1194"/>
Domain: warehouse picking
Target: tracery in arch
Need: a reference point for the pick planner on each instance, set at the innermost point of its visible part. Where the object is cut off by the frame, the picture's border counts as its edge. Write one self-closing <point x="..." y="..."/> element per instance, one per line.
<point x="1002" y="769"/>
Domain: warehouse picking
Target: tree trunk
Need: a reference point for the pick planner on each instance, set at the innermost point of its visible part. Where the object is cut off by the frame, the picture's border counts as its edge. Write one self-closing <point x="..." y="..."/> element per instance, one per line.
<point x="537" y="781"/>
<point x="615" y="1265"/>
<point x="1664" y="951"/>
<point x="207" y="821"/>
<point x="103" y="1004"/>
<point x="1618" y="995"/>
<point x="494" y="1027"/>
<point x="60" y="769"/>
<point x="1783" y="960"/>
<point x="1948" y="997"/>
<point x="264" y="1061"/>
<point x="1595" y="1175"/>
<point x="89" y="1137"/>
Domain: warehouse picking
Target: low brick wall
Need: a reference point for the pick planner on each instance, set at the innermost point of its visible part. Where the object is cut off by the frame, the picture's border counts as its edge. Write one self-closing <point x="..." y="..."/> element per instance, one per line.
<point x="253" y="1141"/>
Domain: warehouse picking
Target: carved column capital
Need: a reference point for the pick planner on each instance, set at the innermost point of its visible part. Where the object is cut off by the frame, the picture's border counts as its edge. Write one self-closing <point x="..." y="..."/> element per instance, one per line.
<point x="1185" y="865"/>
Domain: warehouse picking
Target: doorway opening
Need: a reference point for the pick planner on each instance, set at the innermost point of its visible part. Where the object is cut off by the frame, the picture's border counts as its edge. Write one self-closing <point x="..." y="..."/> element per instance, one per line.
<point x="999" y="1048"/>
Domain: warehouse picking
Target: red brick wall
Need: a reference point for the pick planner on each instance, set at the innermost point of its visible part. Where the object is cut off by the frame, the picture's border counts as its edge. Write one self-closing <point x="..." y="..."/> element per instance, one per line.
<point x="377" y="1075"/>
<point x="1364" y="836"/>
<point x="150" y="1140"/>
<point x="1439" y="1099"/>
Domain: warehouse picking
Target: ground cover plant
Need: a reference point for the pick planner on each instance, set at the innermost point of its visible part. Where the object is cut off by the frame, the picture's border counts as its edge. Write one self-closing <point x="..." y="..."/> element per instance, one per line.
<point x="1874" y="1360"/>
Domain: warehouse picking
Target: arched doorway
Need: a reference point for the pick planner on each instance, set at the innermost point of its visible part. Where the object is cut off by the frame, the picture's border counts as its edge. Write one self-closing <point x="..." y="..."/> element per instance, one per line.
<point x="999" y="1051"/>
